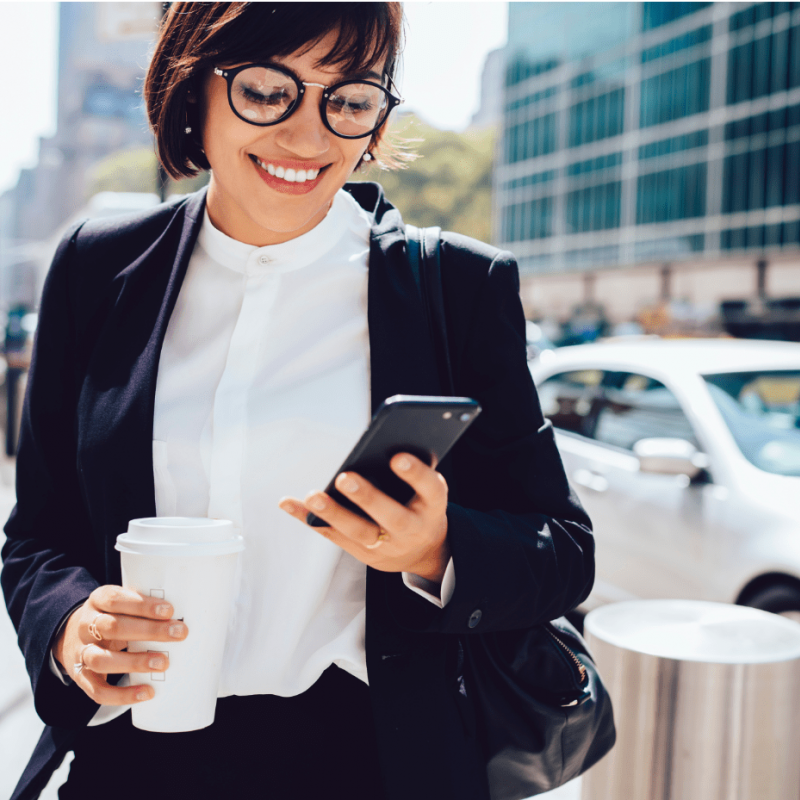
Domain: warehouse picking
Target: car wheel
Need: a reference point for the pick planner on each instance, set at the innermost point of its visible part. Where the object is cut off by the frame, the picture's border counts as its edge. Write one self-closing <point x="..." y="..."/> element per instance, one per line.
<point x="780" y="598"/>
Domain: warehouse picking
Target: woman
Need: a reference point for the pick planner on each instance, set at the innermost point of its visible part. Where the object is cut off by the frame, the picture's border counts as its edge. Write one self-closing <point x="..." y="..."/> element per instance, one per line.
<point x="226" y="349"/>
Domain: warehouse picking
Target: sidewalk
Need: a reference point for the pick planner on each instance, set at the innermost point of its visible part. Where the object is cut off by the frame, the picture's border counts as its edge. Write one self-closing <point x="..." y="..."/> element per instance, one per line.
<point x="20" y="728"/>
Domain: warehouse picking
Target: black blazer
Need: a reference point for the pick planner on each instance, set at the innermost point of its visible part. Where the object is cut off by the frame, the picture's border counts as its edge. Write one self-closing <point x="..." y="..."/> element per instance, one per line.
<point x="521" y="544"/>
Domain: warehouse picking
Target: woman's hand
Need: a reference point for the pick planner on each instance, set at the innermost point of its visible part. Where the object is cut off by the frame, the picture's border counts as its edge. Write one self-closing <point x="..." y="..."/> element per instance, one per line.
<point x="409" y="538"/>
<point x="118" y="616"/>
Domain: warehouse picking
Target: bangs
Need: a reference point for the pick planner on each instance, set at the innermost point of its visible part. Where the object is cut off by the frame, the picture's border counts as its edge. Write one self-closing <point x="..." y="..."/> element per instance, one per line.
<point x="366" y="33"/>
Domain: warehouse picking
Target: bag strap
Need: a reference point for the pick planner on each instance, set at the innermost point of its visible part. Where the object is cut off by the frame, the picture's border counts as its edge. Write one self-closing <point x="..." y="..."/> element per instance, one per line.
<point x="424" y="258"/>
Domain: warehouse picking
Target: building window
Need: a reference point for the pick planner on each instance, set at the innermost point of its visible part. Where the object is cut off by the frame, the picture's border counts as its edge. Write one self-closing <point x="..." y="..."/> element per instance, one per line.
<point x="594" y="164"/>
<point x="529" y="220"/>
<point x="520" y="68"/>
<point x="677" y="44"/>
<point x="763" y="66"/>
<point x="531" y="180"/>
<point x="529" y="99"/>
<point x="676" y="144"/>
<point x="761" y="178"/>
<point x="762" y="123"/>
<point x="529" y="139"/>
<point x="674" y="94"/>
<point x="594" y="208"/>
<point x="671" y="194"/>
<point x="657" y="14"/>
<point x="756" y="13"/>
<point x="597" y="118"/>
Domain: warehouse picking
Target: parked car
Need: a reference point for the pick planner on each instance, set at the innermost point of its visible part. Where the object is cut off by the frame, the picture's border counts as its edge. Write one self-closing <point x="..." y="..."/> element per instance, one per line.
<point x="686" y="454"/>
<point x="537" y="341"/>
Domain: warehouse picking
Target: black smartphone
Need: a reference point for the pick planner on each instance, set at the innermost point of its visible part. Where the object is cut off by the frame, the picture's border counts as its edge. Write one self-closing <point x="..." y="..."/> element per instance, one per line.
<point x="417" y="424"/>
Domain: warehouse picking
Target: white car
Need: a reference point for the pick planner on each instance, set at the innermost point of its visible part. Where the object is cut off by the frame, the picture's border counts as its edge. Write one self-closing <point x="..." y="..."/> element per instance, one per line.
<point x="686" y="454"/>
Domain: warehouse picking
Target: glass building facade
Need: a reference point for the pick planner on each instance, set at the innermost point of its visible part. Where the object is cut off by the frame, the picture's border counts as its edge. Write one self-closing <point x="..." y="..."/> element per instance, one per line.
<point x="643" y="132"/>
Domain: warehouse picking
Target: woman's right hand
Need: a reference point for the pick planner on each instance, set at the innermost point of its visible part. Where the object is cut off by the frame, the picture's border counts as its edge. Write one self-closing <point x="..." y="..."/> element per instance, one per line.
<point x="119" y="616"/>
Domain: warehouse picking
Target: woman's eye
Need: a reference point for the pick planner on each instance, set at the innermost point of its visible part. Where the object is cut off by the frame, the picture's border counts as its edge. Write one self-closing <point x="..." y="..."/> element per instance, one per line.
<point x="272" y="98"/>
<point x="350" y="105"/>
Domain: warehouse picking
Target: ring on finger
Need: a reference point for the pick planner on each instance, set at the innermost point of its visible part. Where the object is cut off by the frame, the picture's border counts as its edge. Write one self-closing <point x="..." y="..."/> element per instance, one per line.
<point x="382" y="537"/>
<point x="81" y="663"/>
<point x="93" y="628"/>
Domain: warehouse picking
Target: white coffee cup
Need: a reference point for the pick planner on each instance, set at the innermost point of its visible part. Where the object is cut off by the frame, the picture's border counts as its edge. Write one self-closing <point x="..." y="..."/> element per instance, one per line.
<point x="191" y="563"/>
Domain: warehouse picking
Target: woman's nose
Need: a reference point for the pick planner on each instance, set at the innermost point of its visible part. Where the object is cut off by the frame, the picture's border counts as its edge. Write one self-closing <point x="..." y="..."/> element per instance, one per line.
<point x="304" y="132"/>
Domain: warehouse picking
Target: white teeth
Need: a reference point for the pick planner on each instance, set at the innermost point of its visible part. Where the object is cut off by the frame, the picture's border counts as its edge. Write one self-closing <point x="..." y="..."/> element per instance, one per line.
<point x="290" y="175"/>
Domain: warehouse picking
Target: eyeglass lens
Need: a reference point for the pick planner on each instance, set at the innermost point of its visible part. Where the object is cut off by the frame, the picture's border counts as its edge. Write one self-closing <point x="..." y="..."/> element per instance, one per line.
<point x="262" y="95"/>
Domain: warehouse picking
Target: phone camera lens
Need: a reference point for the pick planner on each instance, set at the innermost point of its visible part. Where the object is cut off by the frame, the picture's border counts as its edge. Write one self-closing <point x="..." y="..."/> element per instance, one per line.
<point x="465" y="417"/>
<point x="447" y="415"/>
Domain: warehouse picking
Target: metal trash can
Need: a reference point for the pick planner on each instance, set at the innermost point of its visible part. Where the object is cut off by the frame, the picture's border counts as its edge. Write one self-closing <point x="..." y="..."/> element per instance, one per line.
<point x="706" y="702"/>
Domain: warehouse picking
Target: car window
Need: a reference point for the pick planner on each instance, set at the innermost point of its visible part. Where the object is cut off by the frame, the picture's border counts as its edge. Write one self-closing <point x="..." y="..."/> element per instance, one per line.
<point x="568" y="399"/>
<point x="635" y="407"/>
<point x="762" y="411"/>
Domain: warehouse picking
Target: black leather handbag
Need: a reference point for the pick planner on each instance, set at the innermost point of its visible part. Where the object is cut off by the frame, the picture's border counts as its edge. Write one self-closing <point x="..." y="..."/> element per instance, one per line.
<point x="542" y="714"/>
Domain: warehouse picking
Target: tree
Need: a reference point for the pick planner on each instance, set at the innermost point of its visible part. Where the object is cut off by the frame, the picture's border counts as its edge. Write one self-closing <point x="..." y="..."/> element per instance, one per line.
<point x="449" y="185"/>
<point x="135" y="171"/>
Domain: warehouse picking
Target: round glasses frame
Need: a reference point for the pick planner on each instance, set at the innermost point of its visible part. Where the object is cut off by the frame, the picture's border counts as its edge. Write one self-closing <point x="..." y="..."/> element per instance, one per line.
<point x="230" y="74"/>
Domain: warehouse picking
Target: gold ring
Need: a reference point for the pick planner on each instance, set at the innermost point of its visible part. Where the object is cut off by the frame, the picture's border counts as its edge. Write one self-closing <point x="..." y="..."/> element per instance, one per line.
<point x="81" y="664"/>
<point x="93" y="628"/>
<point x="382" y="537"/>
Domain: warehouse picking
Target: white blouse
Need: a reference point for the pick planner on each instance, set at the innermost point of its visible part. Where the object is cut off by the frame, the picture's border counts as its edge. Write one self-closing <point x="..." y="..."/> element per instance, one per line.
<point x="262" y="390"/>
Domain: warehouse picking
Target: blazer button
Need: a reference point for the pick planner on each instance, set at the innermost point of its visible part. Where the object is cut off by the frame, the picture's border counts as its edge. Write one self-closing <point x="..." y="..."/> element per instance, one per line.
<point x="475" y="618"/>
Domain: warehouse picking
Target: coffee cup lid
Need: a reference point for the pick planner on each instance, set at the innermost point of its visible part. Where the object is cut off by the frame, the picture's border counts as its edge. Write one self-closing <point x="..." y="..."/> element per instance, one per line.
<point x="180" y="536"/>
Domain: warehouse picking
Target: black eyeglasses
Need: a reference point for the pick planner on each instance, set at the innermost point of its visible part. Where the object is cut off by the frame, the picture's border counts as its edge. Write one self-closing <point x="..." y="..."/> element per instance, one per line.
<point x="266" y="94"/>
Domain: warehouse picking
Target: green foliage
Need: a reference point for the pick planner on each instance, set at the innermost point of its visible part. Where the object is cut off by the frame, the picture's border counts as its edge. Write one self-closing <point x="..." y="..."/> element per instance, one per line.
<point x="135" y="171"/>
<point x="449" y="185"/>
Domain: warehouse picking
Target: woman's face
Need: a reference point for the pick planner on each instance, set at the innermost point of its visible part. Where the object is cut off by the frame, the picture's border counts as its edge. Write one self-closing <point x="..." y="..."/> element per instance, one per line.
<point x="244" y="200"/>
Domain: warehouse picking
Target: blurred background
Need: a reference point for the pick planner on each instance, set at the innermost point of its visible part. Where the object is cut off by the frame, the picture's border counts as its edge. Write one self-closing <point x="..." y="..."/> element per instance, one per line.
<point x="642" y="160"/>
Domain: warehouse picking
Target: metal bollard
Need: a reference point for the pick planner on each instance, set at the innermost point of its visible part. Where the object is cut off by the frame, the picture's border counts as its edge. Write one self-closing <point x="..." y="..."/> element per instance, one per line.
<point x="706" y="702"/>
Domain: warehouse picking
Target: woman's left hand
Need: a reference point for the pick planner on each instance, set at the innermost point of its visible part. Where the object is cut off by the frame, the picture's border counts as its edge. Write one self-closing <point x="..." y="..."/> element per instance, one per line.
<point x="410" y="538"/>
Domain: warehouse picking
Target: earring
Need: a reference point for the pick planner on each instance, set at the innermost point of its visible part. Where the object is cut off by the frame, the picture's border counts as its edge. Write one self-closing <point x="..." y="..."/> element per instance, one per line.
<point x="187" y="129"/>
<point x="367" y="157"/>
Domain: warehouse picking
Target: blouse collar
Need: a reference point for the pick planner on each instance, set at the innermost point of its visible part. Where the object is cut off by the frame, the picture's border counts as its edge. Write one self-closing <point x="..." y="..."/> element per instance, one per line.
<point x="285" y="257"/>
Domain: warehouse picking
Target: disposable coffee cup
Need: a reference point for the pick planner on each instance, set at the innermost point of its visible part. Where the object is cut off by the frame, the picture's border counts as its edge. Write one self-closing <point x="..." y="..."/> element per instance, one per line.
<point x="191" y="563"/>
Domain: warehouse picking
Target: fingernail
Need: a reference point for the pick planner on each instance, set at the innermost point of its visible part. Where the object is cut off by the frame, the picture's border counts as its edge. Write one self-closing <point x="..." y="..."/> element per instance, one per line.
<point x="290" y="508"/>
<point x="164" y="610"/>
<point x="157" y="662"/>
<point x="143" y="693"/>
<point x="177" y="631"/>
<point x="350" y="485"/>
<point x="317" y="502"/>
<point x="403" y="464"/>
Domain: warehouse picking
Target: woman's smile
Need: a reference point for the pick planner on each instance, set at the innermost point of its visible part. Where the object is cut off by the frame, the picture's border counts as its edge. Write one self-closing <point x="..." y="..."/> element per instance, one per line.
<point x="289" y="177"/>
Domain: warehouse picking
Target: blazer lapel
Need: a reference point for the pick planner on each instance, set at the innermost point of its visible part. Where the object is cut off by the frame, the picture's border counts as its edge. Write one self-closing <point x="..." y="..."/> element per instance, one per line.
<point x="115" y="444"/>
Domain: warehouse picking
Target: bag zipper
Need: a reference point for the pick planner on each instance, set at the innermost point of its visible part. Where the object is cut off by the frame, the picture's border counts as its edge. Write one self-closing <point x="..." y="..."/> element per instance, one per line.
<point x="575" y="660"/>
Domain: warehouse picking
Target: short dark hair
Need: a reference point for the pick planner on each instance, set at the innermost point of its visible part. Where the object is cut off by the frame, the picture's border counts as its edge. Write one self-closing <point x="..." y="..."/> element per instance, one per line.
<point x="196" y="36"/>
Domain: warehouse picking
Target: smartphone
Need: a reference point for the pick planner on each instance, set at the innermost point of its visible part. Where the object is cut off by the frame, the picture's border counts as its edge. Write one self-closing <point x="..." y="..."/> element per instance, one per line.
<point x="417" y="424"/>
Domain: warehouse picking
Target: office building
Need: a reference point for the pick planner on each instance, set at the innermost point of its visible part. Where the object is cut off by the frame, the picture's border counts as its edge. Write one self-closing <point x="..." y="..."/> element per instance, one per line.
<point x="649" y="152"/>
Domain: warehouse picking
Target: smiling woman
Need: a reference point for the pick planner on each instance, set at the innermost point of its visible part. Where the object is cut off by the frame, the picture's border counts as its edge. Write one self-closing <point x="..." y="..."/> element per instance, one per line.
<point x="218" y="356"/>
